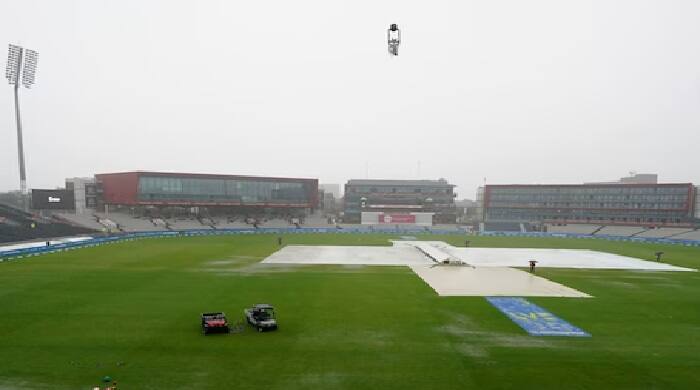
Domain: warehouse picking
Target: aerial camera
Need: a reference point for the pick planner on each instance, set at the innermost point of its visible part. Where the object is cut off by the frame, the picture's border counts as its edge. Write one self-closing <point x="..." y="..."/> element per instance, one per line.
<point x="393" y="36"/>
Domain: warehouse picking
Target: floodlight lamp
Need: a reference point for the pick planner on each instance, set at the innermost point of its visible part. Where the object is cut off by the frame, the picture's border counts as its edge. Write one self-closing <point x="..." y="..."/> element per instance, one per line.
<point x="29" y="71"/>
<point x="12" y="70"/>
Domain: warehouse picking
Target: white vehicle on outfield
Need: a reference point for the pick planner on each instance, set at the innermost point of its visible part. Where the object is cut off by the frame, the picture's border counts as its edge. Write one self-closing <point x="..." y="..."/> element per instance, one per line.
<point x="261" y="316"/>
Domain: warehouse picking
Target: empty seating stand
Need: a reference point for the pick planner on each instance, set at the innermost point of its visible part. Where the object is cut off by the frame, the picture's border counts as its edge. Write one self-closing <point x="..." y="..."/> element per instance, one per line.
<point x="573" y="228"/>
<point x="186" y="224"/>
<point x="109" y="224"/>
<point x="620" y="231"/>
<point x="17" y="225"/>
<point x="84" y="220"/>
<point x="691" y="235"/>
<point x="502" y="227"/>
<point x="231" y="224"/>
<point x="130" y="223"/>
<point x="663" y="232"/>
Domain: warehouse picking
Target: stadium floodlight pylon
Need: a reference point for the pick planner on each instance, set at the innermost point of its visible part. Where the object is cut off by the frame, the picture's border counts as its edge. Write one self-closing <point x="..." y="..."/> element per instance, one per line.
<point x="19" y="72"/>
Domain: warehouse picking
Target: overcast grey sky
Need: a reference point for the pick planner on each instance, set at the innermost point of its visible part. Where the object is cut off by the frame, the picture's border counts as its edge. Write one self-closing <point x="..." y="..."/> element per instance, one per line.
<point x="512" y="91"/>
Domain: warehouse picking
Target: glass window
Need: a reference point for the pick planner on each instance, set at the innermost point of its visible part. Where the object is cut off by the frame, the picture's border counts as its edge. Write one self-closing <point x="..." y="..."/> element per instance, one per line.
<point x="235" y="190"/>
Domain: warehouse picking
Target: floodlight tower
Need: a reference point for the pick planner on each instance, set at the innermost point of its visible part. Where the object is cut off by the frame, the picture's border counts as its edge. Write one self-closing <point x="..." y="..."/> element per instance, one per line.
<point x="18" y="73"/>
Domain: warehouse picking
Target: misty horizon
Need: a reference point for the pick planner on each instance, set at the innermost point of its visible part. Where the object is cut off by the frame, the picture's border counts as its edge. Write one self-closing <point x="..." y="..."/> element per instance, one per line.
<point x="538" y="93"/>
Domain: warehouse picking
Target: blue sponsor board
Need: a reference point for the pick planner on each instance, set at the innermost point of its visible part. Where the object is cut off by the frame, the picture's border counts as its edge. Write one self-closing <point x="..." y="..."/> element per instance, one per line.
<point x="35" y="251"/>
<point x="534" y="319"/>
<point x="95" y="241"/>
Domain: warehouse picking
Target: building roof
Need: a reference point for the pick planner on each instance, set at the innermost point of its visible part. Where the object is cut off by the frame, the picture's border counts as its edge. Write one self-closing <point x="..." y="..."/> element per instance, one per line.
<point x="589" y="185"/>
<point x="399" y="183"/>
<point x="201" y="175"/>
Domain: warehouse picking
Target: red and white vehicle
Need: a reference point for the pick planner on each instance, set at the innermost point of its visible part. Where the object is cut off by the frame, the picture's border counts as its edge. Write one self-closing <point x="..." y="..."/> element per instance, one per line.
<point x="214" y="323"/>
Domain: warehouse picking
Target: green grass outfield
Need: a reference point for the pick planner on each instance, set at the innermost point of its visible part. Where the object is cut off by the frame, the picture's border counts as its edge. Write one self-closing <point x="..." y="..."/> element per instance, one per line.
<point x="131" y="310"/>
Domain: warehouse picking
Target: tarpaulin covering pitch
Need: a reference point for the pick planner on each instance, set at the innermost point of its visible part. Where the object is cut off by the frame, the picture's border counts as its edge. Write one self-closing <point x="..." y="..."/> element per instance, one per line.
<point x="534" y="319"/>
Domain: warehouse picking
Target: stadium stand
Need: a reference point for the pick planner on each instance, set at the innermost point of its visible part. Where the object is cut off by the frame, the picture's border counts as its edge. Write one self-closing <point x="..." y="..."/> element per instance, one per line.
<point x="276" y="222"/>
<point x="691" y="235"/>
<point x="16" y="225"/>
<point x="317" y="219"/>
<point x="161" y="223"/>
<point x="83" y="220"/>
<point x="207" y="222"/>
<point x="502" y="227"/>
<point x="663" y="232"/>
<point x="528" y="227"/>
<point x="230" y="223"/>
<point x="186" y="223"/>
<point x="573" y="229"/>
<point x="127" y="223"/>
<point x="109" y="224"/>
<point x="620" y="231"/>
<point x="444" y="226"/>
